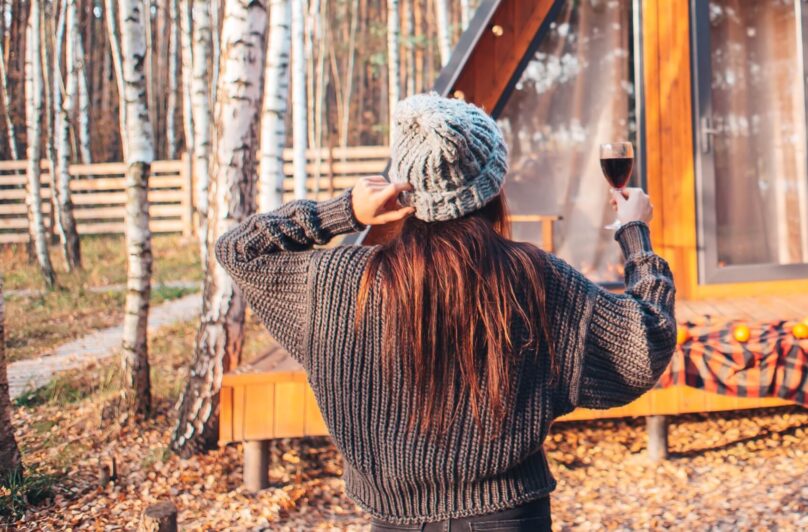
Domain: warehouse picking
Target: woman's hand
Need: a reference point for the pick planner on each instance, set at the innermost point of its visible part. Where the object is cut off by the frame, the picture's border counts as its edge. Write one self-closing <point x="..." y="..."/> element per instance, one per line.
<point x="632" y="204"/>
<point x="375" y="201"/>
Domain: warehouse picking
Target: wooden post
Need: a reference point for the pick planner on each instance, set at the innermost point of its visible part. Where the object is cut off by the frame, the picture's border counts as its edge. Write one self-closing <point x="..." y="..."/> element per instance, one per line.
<point x="159" y="517"/>
<point x="187" y="173"/>
<point x="256" y="465"/>
<point x="657" y="428"/>
<point x="547" y="234"/>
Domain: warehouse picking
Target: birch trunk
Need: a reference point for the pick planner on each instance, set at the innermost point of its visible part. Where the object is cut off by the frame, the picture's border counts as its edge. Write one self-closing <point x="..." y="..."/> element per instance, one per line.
<point x="393" y="81"/>
<point x="220" y="336"/>
<point x="140" y="153"/>
<point x="444" y="44"/>
<point x="276" y="93"/>
<point x="71" y="79"/>
<point x="33" y="115"/>
<point x="186" y="44"/>
<point x="171" y="106"/>
<point x="83" y="91"/>
<point x="200" y="105"/>
<point x="299" y="118"/>
<point x="465" y="14"/>
<point x="320" y="100"/>
<point x="215" y="6"/>
<point x="10" y="461"/>
<point x="409" y="57"/>
<point x="46" y="50"/>
<point x="60" y="175"/>
<point x="111" y="11"/>
<point x="346" y="95"/>
<point x="12" y="134"/>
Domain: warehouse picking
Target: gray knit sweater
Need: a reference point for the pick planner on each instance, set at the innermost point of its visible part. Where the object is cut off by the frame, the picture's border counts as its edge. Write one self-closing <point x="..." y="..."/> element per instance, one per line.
<point x="611" y="349"/>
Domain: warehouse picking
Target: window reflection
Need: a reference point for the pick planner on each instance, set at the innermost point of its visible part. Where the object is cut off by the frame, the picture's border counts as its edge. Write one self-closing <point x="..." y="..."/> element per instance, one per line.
<point x="758" y="102"/>
<point x="576" y="92"/>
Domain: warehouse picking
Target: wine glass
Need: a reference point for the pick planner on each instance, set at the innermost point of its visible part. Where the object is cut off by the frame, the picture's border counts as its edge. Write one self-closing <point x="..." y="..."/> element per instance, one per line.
<point x="617" y="162"/>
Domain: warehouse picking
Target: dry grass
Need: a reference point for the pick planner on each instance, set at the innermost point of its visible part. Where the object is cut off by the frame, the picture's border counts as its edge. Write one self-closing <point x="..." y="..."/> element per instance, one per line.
<point x="37" y="323"/>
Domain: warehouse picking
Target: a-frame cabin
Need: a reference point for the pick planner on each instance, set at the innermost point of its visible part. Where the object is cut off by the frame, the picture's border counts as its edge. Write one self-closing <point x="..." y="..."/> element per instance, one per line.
<point x="712" y="93"/>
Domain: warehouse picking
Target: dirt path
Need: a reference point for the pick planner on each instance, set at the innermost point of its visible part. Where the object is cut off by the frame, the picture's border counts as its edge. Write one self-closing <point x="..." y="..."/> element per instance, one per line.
<point x="36" y="372"/>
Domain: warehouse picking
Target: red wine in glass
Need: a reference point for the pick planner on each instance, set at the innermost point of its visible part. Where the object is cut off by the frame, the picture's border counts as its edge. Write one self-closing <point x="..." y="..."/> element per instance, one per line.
<point x="617" y="162"/>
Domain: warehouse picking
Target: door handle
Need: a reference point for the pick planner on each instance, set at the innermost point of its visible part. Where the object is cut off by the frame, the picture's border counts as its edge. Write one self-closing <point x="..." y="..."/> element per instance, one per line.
<point x="707" y="133"/>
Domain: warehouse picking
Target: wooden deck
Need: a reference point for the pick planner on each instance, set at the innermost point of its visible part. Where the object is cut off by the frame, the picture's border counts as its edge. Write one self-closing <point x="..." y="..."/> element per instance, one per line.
<point x="271" y="398"/>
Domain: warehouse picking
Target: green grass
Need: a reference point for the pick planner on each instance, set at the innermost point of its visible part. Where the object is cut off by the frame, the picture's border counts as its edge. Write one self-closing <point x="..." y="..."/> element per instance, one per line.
<point x="104" y="263"/>
<point x="35" y="325"/>
<point x="20" y="491"/>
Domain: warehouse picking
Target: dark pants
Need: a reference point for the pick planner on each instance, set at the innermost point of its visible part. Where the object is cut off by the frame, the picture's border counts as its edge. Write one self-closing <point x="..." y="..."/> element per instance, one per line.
<point x="533" y="516"/>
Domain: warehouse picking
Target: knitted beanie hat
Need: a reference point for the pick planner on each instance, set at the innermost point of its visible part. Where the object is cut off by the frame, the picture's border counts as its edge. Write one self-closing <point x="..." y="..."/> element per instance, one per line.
<point x="451" y="152"/>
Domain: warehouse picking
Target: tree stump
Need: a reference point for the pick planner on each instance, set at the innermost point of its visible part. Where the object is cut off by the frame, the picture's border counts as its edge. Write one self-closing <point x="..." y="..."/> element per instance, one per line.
<point x="159" y="517"/>
<point x="256" y="465"/>
<point x="657" y="428"/>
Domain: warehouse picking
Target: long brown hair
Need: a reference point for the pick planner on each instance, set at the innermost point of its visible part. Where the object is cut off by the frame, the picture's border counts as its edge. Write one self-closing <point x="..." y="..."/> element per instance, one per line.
<point x="454" y="292"/>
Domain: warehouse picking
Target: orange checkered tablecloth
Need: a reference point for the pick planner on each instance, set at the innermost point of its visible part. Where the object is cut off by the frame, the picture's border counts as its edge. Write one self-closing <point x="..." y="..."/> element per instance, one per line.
<point x="772" y="363"/>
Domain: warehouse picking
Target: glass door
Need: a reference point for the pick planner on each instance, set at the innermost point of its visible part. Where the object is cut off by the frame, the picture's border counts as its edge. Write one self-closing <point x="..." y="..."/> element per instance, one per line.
<point x="750" y="129"/>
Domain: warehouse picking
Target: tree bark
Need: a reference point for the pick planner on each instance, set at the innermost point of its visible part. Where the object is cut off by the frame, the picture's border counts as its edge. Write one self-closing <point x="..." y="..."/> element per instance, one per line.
<point x="276" y="93"/>
<point x="393" y="74"/>
<point x="465" y="14"/>
<point x="349" y="75"/>
<point x="299" y="118"/>
<point x="140" y="154"/>
<point x="10" y="461"/>
<point x="114" y="32"/>
<point x="444" y="43"/>
<point x="60" y="175"/>
<point x="78" y="84"/>
<point x="200" y="102"/>
<point x="12" y="134"/>
<point x="186" y="45"/>
<point x="220" y="335"/>
<point x="171" y="107"/>
<point x="33" y="97"/>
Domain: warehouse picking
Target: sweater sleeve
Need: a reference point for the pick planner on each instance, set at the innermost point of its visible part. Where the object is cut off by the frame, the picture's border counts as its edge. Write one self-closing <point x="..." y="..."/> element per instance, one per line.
<point x="269" y="256"/>
<point x="626" y="340"/>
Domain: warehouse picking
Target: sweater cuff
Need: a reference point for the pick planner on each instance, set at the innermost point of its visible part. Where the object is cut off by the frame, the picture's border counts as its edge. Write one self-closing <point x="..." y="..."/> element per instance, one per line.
<point x="634" y="238"/>
<point x="336" y="215"/>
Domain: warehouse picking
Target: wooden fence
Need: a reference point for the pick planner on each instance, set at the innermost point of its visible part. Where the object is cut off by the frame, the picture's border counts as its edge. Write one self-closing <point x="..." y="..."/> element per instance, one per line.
<point x="99" y="192"/>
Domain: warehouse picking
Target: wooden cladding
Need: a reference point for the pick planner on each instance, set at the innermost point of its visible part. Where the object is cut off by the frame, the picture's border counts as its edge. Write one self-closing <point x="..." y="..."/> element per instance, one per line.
<point x="497" y="55"/>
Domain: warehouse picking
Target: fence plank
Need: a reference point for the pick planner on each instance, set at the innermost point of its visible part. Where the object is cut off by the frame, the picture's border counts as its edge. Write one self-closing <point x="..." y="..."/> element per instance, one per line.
<point x="100" y="194"/>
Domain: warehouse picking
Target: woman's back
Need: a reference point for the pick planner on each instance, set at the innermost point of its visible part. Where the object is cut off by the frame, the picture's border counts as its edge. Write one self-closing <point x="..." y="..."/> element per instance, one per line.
<point x="339" y="313"/>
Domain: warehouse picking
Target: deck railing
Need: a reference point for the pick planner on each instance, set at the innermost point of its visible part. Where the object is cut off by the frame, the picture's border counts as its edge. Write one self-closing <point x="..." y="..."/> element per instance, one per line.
<point x="99" y="192"/>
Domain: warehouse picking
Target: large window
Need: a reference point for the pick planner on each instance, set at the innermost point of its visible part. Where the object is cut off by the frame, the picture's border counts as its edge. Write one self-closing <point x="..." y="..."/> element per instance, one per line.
<point x="578" y="90"/>
<point x="751" y="145"/>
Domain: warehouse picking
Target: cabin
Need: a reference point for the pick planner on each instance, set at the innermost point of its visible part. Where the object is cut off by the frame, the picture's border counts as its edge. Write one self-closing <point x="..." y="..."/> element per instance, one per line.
<point x="712" y="95"/>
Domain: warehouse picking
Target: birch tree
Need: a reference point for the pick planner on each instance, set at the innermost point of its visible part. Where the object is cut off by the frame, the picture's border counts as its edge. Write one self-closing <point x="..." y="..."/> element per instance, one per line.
<point x="186" y="44"/>
<point x="12" y="135"/>
<point x="273" y="119"/>
<point x="33" y="114"/>
<point x="200" y="106"/>
<point x="60" y="175"/>
<point x="219" y="338"/>
<point x="10" y="461"/>
<point x="171" y="106"/>
<point x="465" y="14"/>
<point x="79" y="81"/>
<point x="409" y="24"/>
<point x="139" y="142"/>
<point x="444" y="44"/>
<point x="393" y="82"/>
<point x="299" y="115"/>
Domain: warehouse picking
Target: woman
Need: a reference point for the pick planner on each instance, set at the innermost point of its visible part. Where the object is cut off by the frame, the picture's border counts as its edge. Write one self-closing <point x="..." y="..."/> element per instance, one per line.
<point x="440" y="359"/>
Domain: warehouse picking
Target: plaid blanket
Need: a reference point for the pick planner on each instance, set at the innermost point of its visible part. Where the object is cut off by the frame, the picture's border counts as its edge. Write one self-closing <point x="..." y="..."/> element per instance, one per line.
<point x="772" y="363"/>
